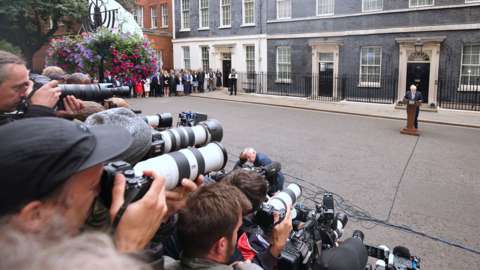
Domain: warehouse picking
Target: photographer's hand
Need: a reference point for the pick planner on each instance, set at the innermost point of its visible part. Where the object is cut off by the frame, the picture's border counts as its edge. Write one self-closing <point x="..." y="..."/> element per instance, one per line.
<point x="280" y="234"/>
<point x="47" y="95"/>
<point x="177" y="198"/>
<point x="73" y="106"/>
<point x="142" y="218"/>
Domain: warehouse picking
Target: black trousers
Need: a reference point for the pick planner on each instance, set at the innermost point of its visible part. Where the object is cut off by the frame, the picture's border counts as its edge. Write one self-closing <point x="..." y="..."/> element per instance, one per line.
<point x="233" y="87"/>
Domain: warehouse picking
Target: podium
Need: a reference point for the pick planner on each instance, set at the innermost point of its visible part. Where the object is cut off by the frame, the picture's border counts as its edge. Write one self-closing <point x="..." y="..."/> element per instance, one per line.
<point x="411" y="110"/>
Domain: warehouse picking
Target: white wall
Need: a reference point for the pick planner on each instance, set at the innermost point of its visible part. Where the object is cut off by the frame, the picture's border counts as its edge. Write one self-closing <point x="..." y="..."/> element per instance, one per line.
<point x="237" y="44"/>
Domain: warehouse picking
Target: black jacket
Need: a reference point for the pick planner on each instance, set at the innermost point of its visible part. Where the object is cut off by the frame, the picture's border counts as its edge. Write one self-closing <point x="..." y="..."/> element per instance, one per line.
<point x="31" y="111"/>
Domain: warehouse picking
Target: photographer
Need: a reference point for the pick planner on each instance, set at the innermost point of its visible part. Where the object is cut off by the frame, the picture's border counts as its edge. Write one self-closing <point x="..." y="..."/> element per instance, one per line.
<point x="252" y="244"/>
<point x="54" y="172"/>
<point x="259" y="160"/>
<point x="209" y="240"/>
<point x="15" y="87"/>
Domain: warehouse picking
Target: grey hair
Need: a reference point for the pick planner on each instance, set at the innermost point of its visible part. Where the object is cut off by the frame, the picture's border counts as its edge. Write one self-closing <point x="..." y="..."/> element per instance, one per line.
<point x="7" y="58"/>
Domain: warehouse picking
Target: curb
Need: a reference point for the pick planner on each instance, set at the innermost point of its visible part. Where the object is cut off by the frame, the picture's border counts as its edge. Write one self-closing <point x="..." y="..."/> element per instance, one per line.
<point x="339" y="112"/>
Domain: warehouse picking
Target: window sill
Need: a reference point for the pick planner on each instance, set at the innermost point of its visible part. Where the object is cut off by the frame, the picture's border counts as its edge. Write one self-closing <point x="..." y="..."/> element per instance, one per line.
<point x="284" y="18"/>
<point x="325" y="15"/>
<point x="204" y="29"/>
<point x="285" y="81"/>
<point x="371" y="10"/>
<point x="248" y="25"/>
<point x="369" y="85"/>
<point x="468" y="88"/>
<point x="225" y="27"/>
<point x="422" y="6"/>
<point x="184" y="30"/>
<point x="165" y="26"/>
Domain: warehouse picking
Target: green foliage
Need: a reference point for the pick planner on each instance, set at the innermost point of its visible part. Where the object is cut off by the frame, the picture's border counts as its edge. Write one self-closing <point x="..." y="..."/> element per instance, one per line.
<point x="6" y="46"/>
<point x="26" y="23"/>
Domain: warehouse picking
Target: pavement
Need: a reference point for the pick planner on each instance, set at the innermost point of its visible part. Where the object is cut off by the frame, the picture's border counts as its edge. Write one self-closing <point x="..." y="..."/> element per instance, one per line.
<point x="441" y="116"/>
<point x="428" y="183"/>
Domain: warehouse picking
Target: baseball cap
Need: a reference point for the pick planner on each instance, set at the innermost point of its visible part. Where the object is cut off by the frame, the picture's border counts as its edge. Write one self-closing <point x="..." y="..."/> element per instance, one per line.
<point x="38" y="154"/>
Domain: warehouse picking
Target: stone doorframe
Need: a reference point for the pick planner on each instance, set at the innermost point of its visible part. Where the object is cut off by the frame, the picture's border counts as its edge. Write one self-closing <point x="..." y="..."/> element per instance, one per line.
<point x="320" y="46"/>
<point x="218" y="51"/>
<point x="431" y="47"/>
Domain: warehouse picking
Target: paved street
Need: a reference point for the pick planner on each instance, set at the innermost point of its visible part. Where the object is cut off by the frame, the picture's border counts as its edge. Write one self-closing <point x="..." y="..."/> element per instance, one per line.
<point x="432" y="181"/>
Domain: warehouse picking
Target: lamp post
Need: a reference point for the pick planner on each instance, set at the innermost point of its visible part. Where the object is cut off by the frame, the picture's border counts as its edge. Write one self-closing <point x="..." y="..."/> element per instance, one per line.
<point x="418" y="46"/>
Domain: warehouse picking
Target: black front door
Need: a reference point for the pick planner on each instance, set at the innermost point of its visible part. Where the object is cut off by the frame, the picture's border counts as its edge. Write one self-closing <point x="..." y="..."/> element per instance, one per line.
<point x="227" y="68"/>
<point x="325" y="79"/>
<point x="419" y="75"/>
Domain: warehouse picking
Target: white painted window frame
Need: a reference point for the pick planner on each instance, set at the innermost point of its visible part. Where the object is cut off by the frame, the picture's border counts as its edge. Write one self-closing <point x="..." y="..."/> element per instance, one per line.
<point x="201" y="23"/>
<point x="247" y="60"/>
<point x="182" y="19"/>
<point x="419" y="6"/>
<point x="185" y="58"/>
<point x="471" y="1"/>
<point x="370" y="84"/>
<point x="467" y="87"/>
<point x="370" y="10"/>
<point x="139" y="15"/>
<point x="164" y="15"/>
<point x="221" y="15"/>
<point x="325" y="14"/>
<point x="278" y="9"/>
<point x="244" y="12"/>
<point x="153" y="19"/>
<point x="283" y="80"/>
<point x="202" y="47"/>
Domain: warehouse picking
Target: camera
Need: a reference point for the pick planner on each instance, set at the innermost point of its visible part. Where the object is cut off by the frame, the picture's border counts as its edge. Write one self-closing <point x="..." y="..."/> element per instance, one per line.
<point x="182" y="137"/>
<point x="398" y="259"/>
<point x="264" y="216"/>
<point x="136" y="186"/>
<point x="186" y="163"/>
<point x="87" y="92"/>
<point x="269" y="172"/>
<point x="159" y="121"/>
<point x="190" y="119"/>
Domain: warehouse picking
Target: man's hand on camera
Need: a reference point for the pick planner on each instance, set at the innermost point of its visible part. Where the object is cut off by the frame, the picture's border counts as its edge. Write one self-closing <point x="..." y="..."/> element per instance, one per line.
<point x="142" y="218"/>
<point x="73" y="106"/>
<point x="280" y="234"/>
<point x="47" y="95"/>
<point x="177" y="198"/>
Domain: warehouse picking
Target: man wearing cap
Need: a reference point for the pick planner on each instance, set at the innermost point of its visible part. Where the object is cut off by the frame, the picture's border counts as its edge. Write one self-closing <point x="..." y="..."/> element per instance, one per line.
<point x="15" y="86"/>
<point x="55" y="170"/>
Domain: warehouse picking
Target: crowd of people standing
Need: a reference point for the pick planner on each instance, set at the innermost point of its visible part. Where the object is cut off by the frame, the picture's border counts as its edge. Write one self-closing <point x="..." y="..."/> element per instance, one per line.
<point x="178" y="83"/>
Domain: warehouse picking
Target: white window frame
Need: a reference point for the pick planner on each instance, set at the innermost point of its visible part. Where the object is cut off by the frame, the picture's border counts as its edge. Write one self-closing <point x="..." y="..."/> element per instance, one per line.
<point x="288" y="78"/>
<point x="164" y="14"/>
<point x="201" y="24"/>
<point x="187" y="57"/>
<point x="153" y="19"/>
<point x="278" y="9"/>
<point x="325" y="14"/>
<point x="138" y="16"/>
<point x="221" y="5"/>
<point x="467" y="87"/>
<point x="371" y="10"/>
<point x="183" y="19"/>
<point x="244" y="13"/>
<point x="471" y="1"/>
<point x="249" y="60"/>
<point x="368" y="83"/>
<point x="159" y="54"/>
<point x="410" y="4"/>
<point x="205" y="59"/>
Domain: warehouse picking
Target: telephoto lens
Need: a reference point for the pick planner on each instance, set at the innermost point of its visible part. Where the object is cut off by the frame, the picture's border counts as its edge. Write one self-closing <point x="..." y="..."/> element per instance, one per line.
<point x="159" y="121"/>
<point x="93" y="92"/>
<point x="277" y="204"/>
<point x="186" y="163"/>
<point x="199" y="135"/>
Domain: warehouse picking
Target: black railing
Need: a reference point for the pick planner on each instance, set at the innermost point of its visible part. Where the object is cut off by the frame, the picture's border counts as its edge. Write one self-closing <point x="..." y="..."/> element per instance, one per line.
<point x="458" y="95"/>
<point x="325" y="87"/>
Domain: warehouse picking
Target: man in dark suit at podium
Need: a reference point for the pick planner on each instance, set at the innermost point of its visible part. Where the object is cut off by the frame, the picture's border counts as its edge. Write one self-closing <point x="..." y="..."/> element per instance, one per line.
<point x="415" y="96"/>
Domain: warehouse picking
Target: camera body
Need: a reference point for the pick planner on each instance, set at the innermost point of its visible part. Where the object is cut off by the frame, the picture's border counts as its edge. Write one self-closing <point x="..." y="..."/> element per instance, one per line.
<point x="136" y="186"/>
<point x="190" y="119"/>
<point x="269" y="172"/>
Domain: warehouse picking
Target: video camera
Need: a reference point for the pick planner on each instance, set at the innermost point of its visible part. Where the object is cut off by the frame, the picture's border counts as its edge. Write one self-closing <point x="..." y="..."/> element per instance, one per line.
<point x="187" y="163"/>
<point x="87" y="92"/>
<point x="190" y="119"/>
<point x="178" y="138"/>
<point x="269" y="172"/>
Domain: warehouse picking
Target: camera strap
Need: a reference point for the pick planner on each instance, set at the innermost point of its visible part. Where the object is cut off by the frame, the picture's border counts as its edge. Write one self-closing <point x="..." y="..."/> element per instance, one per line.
<point x="120" y="212"/>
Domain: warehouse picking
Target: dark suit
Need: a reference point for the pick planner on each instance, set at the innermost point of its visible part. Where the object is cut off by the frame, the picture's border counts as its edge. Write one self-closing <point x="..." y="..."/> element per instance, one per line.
<point x="417" y="97"/>
<point x="156" y="86"/>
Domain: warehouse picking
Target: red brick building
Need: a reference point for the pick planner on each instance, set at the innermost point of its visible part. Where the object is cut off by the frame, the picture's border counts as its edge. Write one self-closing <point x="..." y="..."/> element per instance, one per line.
<point x="155" y="18"/>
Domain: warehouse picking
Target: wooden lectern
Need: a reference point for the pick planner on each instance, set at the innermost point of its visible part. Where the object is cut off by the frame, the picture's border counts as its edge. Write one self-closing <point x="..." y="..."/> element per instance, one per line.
<point x="411" y="110"/>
